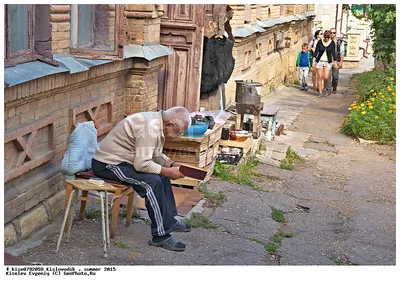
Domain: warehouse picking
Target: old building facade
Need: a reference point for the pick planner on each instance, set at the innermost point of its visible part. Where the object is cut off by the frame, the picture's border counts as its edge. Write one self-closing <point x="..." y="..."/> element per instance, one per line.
<point x="61" y="70"/>
<point x="267" y="40"/>
<point x="141" y="57"/>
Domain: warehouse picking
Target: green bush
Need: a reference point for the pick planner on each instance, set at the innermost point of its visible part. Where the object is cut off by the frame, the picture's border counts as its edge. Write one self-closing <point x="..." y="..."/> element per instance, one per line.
<point x="373" y="114"/>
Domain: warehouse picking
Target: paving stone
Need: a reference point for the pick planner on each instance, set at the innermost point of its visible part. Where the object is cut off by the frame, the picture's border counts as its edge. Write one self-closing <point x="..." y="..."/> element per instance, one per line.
<point x="268" y="161"/>
<point x="321" y="147"/>
<point x="278" y="156"/>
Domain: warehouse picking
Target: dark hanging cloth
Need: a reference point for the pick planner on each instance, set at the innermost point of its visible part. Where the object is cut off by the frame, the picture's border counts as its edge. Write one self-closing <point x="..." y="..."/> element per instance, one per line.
<point x="218" y="63"/>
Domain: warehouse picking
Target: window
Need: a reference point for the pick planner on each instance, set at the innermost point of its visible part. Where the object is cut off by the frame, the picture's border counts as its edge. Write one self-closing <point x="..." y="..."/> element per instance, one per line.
<point x="95" y="29"/>
<point x="258" y="51"/>
<point x="247" y="58"/>
<point x="27" y="34"/>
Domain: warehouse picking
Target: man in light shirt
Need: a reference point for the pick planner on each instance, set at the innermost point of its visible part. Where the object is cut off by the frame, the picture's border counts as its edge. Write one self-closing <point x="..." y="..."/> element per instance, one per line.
<point x="132" y="154"/>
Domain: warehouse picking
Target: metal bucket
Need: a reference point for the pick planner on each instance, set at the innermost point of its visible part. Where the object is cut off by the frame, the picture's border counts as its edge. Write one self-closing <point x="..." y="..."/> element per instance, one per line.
<point x="248" y="92"/>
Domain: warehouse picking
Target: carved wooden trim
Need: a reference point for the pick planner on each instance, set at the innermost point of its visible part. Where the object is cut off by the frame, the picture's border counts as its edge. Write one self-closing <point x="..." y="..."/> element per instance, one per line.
<point x="24" y="145"/>
<point x="92" y="109"/>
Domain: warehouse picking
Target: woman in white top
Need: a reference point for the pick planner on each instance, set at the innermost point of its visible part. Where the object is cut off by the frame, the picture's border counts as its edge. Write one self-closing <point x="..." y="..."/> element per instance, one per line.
<point x="323" y="59"/>
<point x="318" y="35"/>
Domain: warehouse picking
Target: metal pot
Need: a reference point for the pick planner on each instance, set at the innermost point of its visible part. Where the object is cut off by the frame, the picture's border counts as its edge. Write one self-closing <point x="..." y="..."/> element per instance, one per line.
<point x="248" y="92"/>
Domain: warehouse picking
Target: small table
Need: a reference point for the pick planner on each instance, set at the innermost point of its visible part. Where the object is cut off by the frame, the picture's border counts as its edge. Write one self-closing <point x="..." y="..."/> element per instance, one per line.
<point x="270" y="113"/>
<point x="250" y="109"/>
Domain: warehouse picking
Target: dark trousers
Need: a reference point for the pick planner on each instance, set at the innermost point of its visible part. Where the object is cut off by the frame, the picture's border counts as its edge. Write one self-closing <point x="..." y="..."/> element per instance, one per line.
<point x="156" y="190"/>
<point x="333" y="80"/>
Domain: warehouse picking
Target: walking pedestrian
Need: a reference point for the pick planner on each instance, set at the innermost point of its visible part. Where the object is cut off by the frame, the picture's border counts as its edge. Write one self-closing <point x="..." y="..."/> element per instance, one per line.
<point x="303" y="64"/>
<point x="323" y="60"/>
<point x="339" y="55"/>
<point x="311" y="47"/>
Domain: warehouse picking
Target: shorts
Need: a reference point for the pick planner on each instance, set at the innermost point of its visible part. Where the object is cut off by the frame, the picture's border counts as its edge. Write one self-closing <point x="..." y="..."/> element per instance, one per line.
<point x="321" y="65"/>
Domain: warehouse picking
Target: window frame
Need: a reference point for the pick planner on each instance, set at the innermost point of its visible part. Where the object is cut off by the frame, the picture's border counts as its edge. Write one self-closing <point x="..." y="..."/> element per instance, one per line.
<point x="32" y="53"/>
<point x="21" y="56"/>
<point x="117" y="52"/>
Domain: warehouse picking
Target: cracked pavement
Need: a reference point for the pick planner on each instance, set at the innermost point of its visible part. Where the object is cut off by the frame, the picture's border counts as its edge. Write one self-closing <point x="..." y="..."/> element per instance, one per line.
<point x="339" y="204"/>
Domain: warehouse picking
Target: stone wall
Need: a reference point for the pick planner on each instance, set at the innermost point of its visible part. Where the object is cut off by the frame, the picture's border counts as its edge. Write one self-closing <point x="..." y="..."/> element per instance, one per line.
<point x="256" y="58"/>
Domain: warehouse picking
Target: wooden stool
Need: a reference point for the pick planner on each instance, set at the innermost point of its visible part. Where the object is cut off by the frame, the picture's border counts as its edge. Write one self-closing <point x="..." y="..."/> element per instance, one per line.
<point x="73" y="186"/>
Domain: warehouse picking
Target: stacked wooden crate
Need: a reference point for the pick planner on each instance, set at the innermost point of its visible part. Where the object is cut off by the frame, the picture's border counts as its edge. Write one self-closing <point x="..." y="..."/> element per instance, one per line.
<point x="199" y="152"/>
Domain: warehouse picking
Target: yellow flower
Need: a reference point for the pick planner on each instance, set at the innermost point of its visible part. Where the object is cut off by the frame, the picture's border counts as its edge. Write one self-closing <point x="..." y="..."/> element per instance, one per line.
<point x="391" y="78"/>
<point x="362" y="105"/>
<point x="376" y="117"/>
<point x="370" y="107"/>
<point x="383" y="103"/>
<point x="394" y="106"/>
<point x="373" y="99"/>
<point x="372" y="91"/>
<point x="390" y="111"/>
<point x="389" y="89"/>
<point x="358" y="107"/>
<point x="374" y="94"/>
<point x="363" y="113"/>
<point x="363" y="109"/>
<point x="393" y="94"/>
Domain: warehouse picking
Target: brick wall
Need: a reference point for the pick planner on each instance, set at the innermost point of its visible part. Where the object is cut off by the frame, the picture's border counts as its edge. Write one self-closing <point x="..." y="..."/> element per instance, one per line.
<point x="142" y="23"/>
<point x="60" y="28"/>
<point x="39" y="113"/>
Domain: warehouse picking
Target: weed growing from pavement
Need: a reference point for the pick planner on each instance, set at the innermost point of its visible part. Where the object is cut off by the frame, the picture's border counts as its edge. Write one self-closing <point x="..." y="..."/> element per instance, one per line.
<point x="278" y="215"/>
<point x="259" y="189"/>
<point x="273" y="244"/>
<point x="241" y="175"/>
<point x="286" y="235"/>
<point x="93" y="214"/>
<point x="290" y="158"/>
<point x="215" y="198"/>
<point x="121" y="245"/>
<point x="199" y="220"/>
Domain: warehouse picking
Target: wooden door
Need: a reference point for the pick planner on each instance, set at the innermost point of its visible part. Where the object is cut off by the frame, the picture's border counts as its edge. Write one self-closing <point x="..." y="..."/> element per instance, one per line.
<point x="182" y="30"/>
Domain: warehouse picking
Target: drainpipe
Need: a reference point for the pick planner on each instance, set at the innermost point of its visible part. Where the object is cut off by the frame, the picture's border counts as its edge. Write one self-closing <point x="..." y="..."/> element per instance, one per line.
<point x="337" y="8"/>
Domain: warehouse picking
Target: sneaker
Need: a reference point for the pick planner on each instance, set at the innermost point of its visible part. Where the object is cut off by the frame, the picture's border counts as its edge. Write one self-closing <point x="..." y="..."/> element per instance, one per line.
<point x="306" y="88"/>
<point x="302" y="88"/>
<point x="180" y="226"/>
<point x="170" y="243"/>
<point x="319" y="95"/>
<point x="334" y="92"/>
<point x="328" y="92"/>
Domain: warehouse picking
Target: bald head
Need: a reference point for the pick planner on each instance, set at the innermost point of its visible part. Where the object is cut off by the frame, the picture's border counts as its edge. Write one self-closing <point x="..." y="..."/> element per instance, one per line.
<point x="176" y="121"/>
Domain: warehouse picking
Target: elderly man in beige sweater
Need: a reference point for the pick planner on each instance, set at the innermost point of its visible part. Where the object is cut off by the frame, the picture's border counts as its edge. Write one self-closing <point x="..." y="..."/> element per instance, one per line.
<point x="132" y="153"/>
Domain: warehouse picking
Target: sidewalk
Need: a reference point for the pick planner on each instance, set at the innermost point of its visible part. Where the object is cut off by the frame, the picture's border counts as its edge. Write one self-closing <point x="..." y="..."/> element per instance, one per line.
<point x="244" y="223"/>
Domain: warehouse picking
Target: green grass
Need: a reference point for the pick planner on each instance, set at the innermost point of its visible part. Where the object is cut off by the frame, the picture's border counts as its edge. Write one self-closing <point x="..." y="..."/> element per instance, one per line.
<point x="286" y="235"/>
<point x="93" y="214"/>
<point x="338" y="261"/>
<point x="197" y="220"/>
<point x="278" y="215"/>
<point x="259" y="189"/>
<point x="214" y="198"/>
<point x="273" y="244"/>
<point x="121" y="245"/>
<point x="290" y="159"/>
<point x="242" y="175"/>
